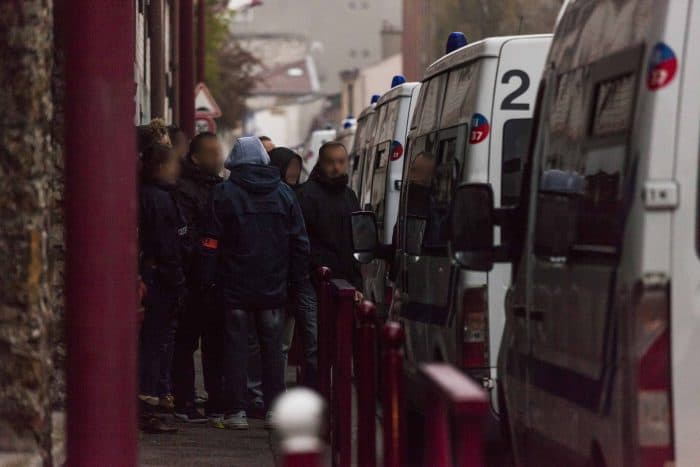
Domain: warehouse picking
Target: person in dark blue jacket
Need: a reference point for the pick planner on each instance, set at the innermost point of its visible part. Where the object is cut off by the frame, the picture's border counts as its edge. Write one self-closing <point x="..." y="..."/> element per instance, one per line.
<point x="162" y="234"/>
<point x="255" y="247"/>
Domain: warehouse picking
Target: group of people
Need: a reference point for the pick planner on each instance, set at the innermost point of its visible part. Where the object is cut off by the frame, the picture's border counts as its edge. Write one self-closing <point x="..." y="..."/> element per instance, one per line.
<point x="227" y="255"/>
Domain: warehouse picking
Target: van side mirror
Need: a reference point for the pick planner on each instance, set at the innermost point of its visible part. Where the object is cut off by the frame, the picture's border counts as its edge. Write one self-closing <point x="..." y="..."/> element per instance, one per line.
<point x="472" y="227"/>
<point x="365" y="239"/>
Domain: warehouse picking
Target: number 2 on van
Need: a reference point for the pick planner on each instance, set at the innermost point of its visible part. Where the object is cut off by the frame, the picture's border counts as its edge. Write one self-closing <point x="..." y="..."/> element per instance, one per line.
<point x="480" y="129"/>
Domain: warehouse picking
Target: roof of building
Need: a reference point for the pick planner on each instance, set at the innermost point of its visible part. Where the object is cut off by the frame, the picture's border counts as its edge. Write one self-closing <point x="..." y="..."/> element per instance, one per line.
<point x="297" y="78"/>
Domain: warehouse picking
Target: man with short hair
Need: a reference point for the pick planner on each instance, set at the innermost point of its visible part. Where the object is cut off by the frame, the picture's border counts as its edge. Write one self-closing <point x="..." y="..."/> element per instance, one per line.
<point x="254" y="247"/>
<point x="328" y="203"/>
<point x="200" y="173"/>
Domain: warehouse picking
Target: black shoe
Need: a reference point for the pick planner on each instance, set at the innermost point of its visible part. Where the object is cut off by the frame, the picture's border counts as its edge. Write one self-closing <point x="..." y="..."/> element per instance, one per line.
<point x="190" y="415"/>
<point x="153" y="424"/>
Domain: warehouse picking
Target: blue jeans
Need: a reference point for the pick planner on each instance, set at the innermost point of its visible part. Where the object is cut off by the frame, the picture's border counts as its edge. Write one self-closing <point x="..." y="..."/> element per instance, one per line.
<point x="302" y="310"/>
<point x="268" y="325"/>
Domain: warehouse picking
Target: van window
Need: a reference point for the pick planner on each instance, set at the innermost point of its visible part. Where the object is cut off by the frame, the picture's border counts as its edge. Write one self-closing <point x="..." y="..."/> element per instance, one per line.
<point x="590" y="171"/>
<point x="388" y="121"/>
<point x="378" y="193"/>
<point x="516" y="137"/>
<point x="430" y="103"/>
<point x="461" y="93"/>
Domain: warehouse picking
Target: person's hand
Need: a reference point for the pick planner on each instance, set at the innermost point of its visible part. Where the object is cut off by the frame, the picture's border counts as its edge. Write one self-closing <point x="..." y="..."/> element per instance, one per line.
<point x="358" y="296"/>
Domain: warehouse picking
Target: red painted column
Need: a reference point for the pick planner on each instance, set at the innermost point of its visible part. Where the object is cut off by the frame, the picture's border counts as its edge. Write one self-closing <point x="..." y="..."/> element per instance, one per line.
<point x="187" y="67"/>
<point x="325" y="332"/>
<point x="366" y="358"/>
<point x="344" y="295"/>
<point x="201" y="39"/>
<point x="101" y="300"/>
<point x="437" y="433"/>
<point x="393" y="396"/>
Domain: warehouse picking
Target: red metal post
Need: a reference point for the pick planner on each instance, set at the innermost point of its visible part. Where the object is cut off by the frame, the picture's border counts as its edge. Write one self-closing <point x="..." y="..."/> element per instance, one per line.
<point x="302" y="460"/>
<point x="366" y="357"/>
<point x="101" y="287"/>
<point x="468" y="404"/>
<point x="325" y="331"/>
<point x="344" y="295"/>
<point x="201" y="39"/>
<point x="393" y="396"/>
<point x="187" y="67"/>
<point x="437" y="433"/>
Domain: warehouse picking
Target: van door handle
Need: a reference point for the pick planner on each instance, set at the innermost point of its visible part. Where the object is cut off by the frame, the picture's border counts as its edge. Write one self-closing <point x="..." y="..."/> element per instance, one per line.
<point x="521" y="313"/>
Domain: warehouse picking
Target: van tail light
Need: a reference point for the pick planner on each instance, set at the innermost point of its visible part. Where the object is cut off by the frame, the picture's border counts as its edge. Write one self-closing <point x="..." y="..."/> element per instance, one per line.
<point x="475" y="352"/>
<point x="653" y="352"/>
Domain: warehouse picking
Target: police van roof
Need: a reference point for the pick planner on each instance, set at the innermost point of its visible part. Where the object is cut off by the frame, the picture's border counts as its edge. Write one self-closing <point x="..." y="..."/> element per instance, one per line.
<point x="489" y="47"/>
<point x="402" y="90"/>
<point x="365" y="112"/>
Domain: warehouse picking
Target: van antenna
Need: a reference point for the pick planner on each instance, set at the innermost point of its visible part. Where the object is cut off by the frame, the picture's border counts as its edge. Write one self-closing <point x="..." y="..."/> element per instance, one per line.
<point x="520" y="25"/>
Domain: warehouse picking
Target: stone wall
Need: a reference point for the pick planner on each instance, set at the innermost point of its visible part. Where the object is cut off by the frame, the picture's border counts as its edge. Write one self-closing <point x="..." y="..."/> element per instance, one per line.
<point x="27" y="157"/>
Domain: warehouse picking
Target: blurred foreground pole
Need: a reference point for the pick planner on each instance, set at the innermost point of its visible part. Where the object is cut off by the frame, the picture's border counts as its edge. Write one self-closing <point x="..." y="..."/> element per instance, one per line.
<point x="100" y="169"/>
<point x="325" y="331"/>
<point x="393" y="395"/>
<point x="201" y="39"/>
<point x="298" y="418"/>
<point x="187" y="67"/>
<point x="341" y="376"/>
<point x="366" y="372"/>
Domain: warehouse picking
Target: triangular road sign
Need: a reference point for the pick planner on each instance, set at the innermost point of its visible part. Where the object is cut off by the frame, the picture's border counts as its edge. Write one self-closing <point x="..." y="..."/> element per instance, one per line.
<point x="204" y="103"/>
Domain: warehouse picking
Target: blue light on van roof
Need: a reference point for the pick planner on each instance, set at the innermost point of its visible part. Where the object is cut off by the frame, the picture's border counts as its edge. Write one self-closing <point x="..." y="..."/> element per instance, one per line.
<point x="375" y="98"/>
<point x="455" y="41"/>
<point x="398" y="79"/>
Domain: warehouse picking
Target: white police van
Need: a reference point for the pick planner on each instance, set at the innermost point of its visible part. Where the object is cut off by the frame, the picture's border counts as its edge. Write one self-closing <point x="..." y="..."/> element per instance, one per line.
<point x="381" y="181"/>
<point x="598" y="364"/>
<point x="472" y="123"/>
<point x="363" y="137"/>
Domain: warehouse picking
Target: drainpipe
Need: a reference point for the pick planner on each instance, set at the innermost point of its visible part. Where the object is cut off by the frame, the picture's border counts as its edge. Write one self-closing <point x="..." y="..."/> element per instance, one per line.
<point x="186" y="67"/>
<point x="156" y="35"/>
<point x="201" y="39"/>
<point x="100" y="204"/>
<point x="175" y="58"/>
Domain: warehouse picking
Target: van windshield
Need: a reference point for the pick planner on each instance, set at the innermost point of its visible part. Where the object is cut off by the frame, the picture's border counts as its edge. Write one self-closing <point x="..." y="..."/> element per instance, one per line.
<point x="516" y="137"/>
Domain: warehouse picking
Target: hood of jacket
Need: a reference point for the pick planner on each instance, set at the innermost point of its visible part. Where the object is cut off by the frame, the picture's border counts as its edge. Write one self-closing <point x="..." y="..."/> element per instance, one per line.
<point x="192" y="171"/>
<point x="248" y="150"/>
<point x="281" y="157"/>
<point x="256" y="178"/>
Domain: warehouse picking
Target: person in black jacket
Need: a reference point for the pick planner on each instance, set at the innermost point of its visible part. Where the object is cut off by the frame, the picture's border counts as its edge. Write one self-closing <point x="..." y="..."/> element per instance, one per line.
<point x="200" y="173"/>
<point x="302" y="306"/>
<point x="162" y="239"/>
<point x="327" y="203"/>
<point x="255" y="244"/>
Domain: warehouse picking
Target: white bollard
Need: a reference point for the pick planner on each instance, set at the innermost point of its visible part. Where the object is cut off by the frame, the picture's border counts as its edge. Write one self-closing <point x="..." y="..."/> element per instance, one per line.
<point x="297" y="415"/>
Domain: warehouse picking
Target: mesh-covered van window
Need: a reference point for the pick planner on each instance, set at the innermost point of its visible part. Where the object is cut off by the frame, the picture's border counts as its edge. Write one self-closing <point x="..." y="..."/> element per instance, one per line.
<point x="516" y="138"/>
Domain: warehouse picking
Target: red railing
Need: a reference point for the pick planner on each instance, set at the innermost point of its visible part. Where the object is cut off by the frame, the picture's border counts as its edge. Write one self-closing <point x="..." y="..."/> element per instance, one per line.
<point x="454" y="397"/>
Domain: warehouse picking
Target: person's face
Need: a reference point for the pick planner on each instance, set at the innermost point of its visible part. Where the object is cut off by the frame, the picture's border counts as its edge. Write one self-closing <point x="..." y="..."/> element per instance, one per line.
<point x="165" y="140"/>
<point x="180" y="144"/>
<point x="421" y="172"/>
<point x="291" y="177"/>
<point x="335" y="162"/>
<point x="269" y="145"/>
<point x="169" y="171"/>
<point x="209" y="157"/>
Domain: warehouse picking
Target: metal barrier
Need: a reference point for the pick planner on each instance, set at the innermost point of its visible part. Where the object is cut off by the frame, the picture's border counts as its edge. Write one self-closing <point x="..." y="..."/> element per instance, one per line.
<point x="453" y="395"/>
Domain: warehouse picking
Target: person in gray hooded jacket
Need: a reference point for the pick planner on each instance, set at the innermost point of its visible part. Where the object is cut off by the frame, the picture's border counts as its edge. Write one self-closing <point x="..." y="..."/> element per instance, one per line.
<point x="254" y="245"/>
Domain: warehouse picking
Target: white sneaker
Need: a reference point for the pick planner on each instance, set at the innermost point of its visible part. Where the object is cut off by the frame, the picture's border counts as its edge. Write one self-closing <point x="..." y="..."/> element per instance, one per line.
<point x="268" y="420"/>
<point x="236" y="421"/>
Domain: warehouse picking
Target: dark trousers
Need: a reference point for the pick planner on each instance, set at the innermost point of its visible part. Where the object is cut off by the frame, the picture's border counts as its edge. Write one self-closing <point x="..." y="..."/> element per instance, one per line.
<point x="199" y="320"/>
<point x="155" y="340"/>
<point x="302" y="312"/>
<point x="269" y="325"/>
